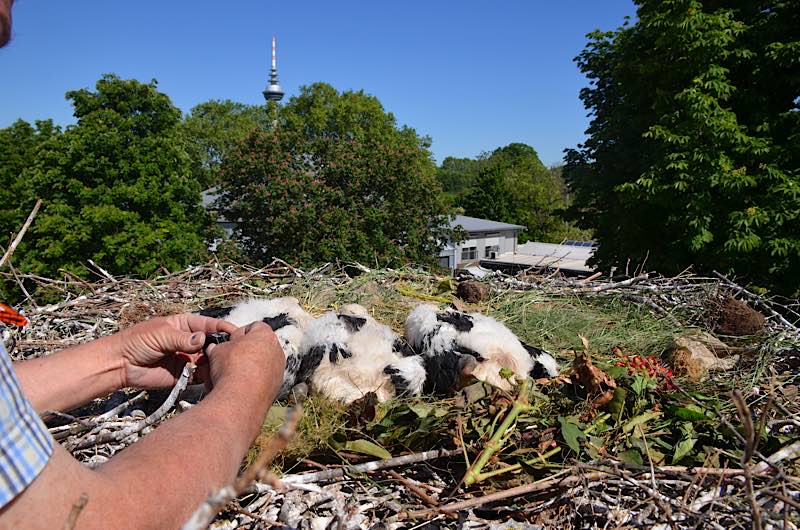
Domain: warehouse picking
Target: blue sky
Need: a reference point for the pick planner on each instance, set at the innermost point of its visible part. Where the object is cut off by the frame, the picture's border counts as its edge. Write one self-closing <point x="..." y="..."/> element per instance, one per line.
<point x="473" y="75"/>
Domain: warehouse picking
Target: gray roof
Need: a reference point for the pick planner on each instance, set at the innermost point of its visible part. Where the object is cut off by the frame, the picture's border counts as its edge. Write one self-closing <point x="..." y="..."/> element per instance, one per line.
<point x="473" y="224"/>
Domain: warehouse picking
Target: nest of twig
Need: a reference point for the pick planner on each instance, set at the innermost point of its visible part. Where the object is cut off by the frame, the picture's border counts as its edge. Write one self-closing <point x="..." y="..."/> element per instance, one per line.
<point x="647" y="456"/>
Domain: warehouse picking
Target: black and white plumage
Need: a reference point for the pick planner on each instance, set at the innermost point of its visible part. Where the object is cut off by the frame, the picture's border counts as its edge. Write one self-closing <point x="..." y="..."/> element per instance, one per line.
<point x="350" y="354"/>
<point x="454" y="344"/>
<point x="286" y="318"/>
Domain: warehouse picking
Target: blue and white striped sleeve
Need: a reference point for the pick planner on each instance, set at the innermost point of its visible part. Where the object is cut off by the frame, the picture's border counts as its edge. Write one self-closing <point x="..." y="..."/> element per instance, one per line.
<point x="25" y="444"/>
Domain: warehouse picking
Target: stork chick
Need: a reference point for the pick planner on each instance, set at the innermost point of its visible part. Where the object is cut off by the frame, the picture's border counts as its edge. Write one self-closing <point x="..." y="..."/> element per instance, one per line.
<point x="349" y="354"/>
<point x="286" y="318"/>
<point x="455" y="345"/>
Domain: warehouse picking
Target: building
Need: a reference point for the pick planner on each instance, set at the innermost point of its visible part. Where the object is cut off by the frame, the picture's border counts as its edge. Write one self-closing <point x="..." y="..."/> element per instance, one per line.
<point x="485" y="239"/>
<point x="569" y="257"/>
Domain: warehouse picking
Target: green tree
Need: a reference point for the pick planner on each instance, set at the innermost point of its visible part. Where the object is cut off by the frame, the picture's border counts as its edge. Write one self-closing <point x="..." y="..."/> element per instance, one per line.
<point x="692" y="155"/>
<point x="19" y="145"/>
<point x="116" y="187"/>
<point x="457" y="176"/>
<point x="337" y="179"/>
<point x="513" y="186"/>
<point x="214" y="128"/>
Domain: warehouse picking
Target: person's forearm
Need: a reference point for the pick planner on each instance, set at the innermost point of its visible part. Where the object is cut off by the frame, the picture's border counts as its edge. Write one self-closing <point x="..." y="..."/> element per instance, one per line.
<point x="161" y="479"/>
<point x="72" y="377"/>
<point x="173" y="469"/>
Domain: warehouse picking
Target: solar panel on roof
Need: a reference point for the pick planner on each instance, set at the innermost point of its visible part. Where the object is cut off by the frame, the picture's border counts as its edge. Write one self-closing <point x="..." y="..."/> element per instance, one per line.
<point x="576" y="243"/>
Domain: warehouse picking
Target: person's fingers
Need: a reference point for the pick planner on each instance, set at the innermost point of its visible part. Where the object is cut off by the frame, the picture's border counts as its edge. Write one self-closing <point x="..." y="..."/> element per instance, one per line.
<point x="208" y="324"/>
<point x="180" y="341"/>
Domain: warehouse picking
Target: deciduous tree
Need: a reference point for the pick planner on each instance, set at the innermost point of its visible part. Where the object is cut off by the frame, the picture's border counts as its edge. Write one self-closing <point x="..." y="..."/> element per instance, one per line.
<point x="513" y="186"/>
<point x="116" y="187"/>
<point x="692" y="155"/>
<point x="336" y="180"/>
<point x="19" y="144"/>
<point x="214" y="128"/>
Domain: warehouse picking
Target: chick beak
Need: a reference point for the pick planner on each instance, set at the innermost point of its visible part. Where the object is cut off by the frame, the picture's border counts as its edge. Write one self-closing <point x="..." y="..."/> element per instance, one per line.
<point x="10" y="317"/>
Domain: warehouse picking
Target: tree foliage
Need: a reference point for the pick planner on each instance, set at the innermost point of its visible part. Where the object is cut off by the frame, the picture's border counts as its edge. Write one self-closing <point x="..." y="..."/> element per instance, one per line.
<point x="513" y="186"/>
<point x="19" y="144"/>
<point x="457" y="176"/>
<point x="116" y="187"/>
<point x="694" y="146"/>
<point x="337" y="179"/>
<point x="213" y="129"/>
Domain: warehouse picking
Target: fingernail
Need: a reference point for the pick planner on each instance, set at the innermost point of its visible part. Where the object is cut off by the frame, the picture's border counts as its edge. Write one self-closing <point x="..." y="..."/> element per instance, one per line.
<point x="198" y="338"/>
<point x="210" y="347"/>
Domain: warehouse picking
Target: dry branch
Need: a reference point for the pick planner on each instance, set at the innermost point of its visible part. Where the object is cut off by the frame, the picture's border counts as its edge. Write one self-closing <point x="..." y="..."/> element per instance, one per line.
<point x="155" y="417"/>
<point x="309" y="478"/>
<point x="21" y="233"/>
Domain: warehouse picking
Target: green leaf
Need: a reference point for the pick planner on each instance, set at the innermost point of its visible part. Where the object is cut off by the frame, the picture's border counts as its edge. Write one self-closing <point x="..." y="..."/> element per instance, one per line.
<point x="642" y="383"/>
<point x="366" y="447"/>
<point x="506" y="373"/>
<point x="631" y="456"/>
<point x="572" y="433"/>
<point x="421" y="409"/>
<point x="682" y="449"/>
<point x="689" y="413"/>
<point x="615" y="372"/>
<point x="641" y="419"/>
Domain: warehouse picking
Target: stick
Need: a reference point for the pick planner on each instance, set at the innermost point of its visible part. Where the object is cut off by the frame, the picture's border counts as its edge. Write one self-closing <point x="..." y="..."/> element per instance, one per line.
<point x="21" y="233"/>
<point x="416" y="490"/>
<point x="624" y="283"/>
<point x="590" y="278"/>
<point x="789" y="452"/>
<point x="307" y="478"/>
<point x="102" y="271"/>
<point x="206" y="512"/>
<point x="94" y="422"/>
<point x="152" y="419"/>
<point x="560" y="480"/>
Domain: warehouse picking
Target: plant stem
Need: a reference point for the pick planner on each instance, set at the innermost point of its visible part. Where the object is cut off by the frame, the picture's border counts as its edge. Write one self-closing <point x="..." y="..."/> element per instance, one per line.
<point x="496" y="441"/>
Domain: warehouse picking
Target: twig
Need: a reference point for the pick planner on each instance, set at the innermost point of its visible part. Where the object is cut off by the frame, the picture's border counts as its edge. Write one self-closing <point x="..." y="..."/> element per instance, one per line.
<point x="789" y="452"/>
<point x="416" y="490"/>
<point x="307" y="478"/>
<point x="206" y="512"/>
<point x="746" y="417"/>
<point x="102" y="271"/>
<point x="152" y="419"/>
<point x="615" y="285"/>
<point x="85" y="425"/>
<point x="13" y="246"/>
<point x="76" y="510"/>
<point x="562" y="479"/>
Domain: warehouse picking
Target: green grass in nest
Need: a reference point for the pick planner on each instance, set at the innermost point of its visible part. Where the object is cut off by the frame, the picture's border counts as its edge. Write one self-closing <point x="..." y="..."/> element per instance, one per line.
<point x="322" y="419"/>
<point x="555" y="323"/>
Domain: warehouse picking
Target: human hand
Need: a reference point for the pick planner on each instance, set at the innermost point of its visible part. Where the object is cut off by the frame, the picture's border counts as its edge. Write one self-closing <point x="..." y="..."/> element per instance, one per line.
<point x="154" y="352"/>
<point x="253" y="354"/>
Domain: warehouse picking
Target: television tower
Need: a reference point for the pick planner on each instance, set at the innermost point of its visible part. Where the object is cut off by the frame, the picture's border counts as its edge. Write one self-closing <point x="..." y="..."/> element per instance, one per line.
<point x="273" y="92"/>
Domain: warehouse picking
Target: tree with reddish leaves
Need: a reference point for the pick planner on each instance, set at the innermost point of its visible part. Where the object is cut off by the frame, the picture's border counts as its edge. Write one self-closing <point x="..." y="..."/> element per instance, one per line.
<point x="334" y="179"/>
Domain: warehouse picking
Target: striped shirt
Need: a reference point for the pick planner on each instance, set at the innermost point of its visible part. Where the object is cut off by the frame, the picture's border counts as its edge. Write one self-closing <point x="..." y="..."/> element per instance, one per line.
<point x="25" y="444"/>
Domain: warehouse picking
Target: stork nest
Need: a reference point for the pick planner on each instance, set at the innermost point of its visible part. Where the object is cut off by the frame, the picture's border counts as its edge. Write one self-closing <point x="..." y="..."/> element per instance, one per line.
<point x="615" y="441"/>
